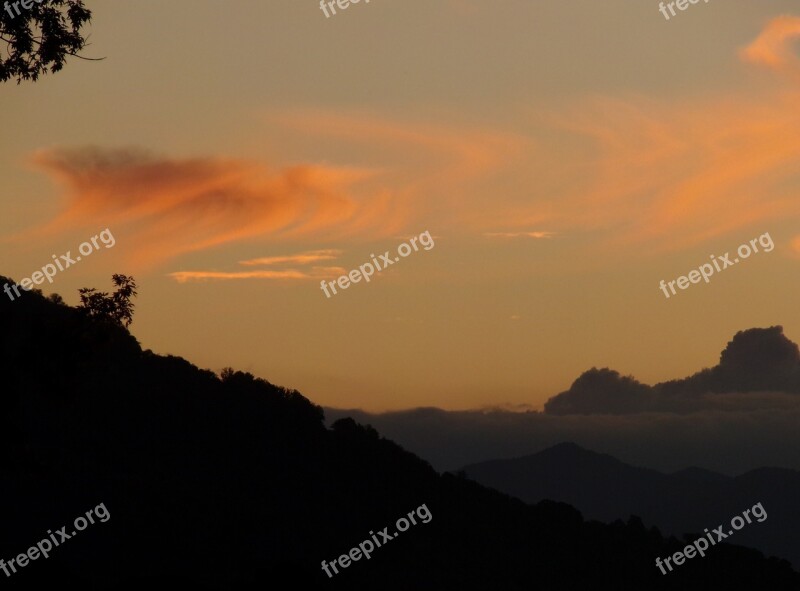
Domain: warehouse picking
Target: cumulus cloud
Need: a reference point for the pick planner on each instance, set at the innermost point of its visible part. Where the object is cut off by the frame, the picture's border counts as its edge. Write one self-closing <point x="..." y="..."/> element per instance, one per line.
<point x="602" y="391"/>
<point x="754" y="361"/>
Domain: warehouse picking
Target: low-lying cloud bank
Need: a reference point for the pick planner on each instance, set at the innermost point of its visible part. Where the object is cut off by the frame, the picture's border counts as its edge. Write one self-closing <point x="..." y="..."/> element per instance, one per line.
<point x="739" y="415"/>
<point x="727" y="441"/>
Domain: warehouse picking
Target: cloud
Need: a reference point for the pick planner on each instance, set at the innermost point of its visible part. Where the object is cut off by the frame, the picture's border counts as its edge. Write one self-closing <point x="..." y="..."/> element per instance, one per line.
<point x="304" y="258"/>
<point x="773" y="47"/>
<point x="645" y="176"/>
<point x="433" y="168"/>
<point x="638" y="176"/>
<point x="662" y="178"/>
<point x="740" y="438"/>
<point x="316" y="273"/>
<point x="755" y="360"/>
<point x="172" y="206"/>
<point x="601" y="391"/>
<point x="437" y="151"/>
<point x="184" y="276"/>
<point x="538" y="234"/>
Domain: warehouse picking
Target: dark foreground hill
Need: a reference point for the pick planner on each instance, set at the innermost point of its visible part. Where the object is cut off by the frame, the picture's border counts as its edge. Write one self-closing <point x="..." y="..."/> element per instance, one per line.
<point x="603" y="488"/>
<point x="233" y="483"/>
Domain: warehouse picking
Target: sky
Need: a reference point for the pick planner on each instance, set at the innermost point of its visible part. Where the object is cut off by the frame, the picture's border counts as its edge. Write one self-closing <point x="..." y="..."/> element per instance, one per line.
<point x="564" y="158"/>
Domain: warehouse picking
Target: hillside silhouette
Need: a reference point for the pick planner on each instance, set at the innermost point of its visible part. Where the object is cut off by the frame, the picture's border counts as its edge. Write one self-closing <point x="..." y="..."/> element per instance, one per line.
<point x="231" y="482"/>
<point x="606" y="489"/>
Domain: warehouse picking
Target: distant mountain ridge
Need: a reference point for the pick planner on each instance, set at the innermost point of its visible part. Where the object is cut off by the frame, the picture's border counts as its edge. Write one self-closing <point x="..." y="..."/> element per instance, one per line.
<point x="604" y="488"/>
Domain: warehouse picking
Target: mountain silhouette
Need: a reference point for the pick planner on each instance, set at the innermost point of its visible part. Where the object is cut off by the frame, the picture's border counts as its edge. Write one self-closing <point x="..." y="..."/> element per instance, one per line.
<point x="604" y="488"/>
<point x="230" y="482"/>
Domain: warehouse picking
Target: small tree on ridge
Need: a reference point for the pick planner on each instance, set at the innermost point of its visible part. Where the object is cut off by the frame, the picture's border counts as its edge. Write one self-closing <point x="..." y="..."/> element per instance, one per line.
<point x="117" y="307"/>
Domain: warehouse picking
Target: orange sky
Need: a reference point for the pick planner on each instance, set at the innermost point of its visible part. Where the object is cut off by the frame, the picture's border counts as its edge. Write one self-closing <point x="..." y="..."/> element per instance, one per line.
<point x="565" y="157"/>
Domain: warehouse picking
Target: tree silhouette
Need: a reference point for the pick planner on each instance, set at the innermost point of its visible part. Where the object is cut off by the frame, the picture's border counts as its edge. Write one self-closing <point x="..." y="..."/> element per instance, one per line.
<point x="56" y="299"/>
<point x="117" y="308"/>
<point x="40" y="37"/>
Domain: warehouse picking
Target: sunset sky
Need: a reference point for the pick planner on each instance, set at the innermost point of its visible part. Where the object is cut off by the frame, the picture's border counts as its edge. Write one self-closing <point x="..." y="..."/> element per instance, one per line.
<point x="565" y="156"/>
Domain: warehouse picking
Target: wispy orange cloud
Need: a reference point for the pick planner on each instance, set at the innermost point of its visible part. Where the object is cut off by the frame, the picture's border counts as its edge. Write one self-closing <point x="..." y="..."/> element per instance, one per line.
<point x="179" y="206"/>
<point x="537" y="234"/>
<point x="300" y="259"/>
<point x="446" y="152"/>
<point x="315" y="273"/>
<point x="184" y="276"/>
<point x="305" y="258"/>
<point x="647" y="175"/>
<point x="668" y="177"/>
<point x="773" y="47"/>
<point x="176" y="206"/>
<point x="432" y="167"/>
<point x="631" y="174"/>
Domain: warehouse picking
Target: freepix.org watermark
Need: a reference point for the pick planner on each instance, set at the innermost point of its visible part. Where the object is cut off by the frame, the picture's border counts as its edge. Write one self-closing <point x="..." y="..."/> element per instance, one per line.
<point x="706" y="270"/>
<point x="367" y="270"/>
<point x="700" y="545"/>
<point x="366" y="547"/>
<point x="681" y="4"/>
<point x="64" y="261"/>
<point x="44" y="547"/>
<point x="342" y="4"/>
<point x="26" y="4"/>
